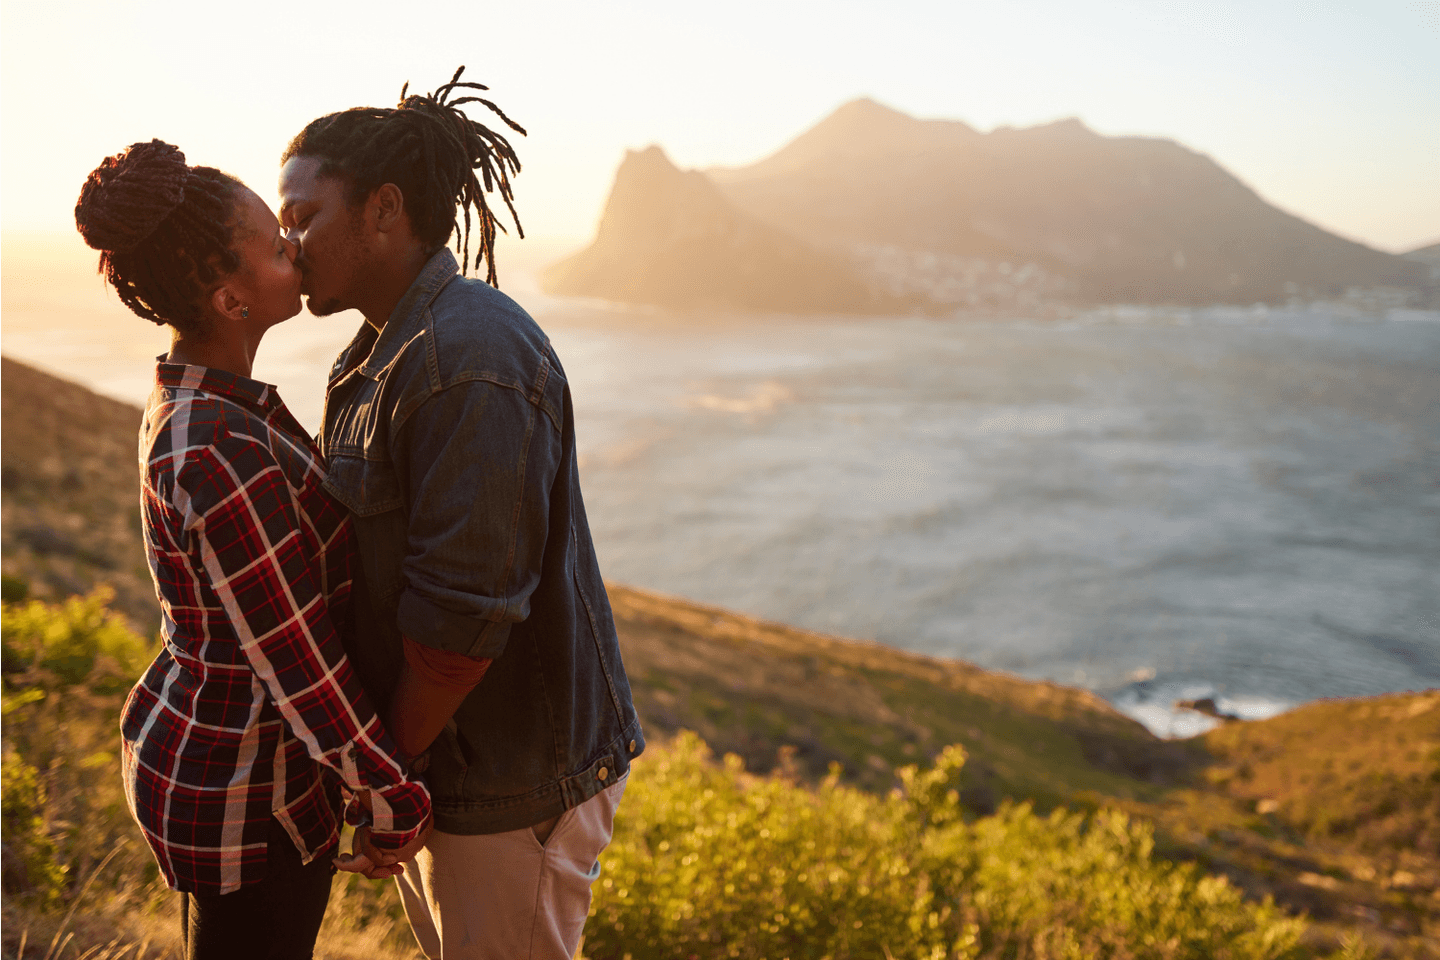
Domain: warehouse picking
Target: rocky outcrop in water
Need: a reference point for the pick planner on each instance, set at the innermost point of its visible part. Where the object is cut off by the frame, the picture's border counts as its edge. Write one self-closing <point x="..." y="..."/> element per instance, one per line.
<point x="669" y="238"/>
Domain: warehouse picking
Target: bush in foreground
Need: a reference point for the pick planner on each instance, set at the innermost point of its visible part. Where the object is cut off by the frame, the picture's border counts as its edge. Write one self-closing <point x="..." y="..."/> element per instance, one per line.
<point x="75" y="863"/>
<point x="66" y="669"/>
<point x="709" y="861"/>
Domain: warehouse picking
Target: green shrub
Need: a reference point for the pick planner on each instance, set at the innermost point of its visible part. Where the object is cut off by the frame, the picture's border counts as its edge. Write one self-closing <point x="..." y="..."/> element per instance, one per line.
<point x="67" y="670"/>
<point x="69" y="641"/>
<point x="1073" y="886"/>
<point x="30" y="869"/>
<point x="710" y="861"/>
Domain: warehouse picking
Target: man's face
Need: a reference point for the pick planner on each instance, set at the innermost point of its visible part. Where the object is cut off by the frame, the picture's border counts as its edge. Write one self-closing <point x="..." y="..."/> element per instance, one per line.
<point x="330" y="234"/>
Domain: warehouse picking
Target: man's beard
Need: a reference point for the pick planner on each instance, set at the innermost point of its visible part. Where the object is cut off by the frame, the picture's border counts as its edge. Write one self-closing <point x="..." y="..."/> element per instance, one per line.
<point x="324" y="308"/>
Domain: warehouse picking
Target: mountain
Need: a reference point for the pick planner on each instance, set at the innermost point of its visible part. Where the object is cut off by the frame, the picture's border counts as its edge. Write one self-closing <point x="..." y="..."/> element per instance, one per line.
<point x="1130" y="219"/>
<point x="1429" y="256"/>
<point x="935" y="214"/>
<point x="669" y="238"/>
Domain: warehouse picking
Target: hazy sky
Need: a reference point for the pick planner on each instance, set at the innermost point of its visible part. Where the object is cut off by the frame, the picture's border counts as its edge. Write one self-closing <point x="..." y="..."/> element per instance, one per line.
<point x="1329" y="110"/>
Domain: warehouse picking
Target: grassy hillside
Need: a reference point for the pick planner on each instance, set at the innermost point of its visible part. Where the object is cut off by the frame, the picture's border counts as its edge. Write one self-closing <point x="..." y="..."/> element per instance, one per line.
<point x="756" y="689"/>
<point x="1333" y="809"/>
<point x="71" y="492"/>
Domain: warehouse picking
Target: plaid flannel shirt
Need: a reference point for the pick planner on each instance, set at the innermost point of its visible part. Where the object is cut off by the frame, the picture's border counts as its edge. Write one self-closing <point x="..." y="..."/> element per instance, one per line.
<point x="251" y="695"/>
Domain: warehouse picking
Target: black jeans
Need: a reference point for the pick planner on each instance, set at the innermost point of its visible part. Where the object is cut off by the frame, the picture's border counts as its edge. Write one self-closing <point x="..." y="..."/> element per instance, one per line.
<point x="277" y="918"/>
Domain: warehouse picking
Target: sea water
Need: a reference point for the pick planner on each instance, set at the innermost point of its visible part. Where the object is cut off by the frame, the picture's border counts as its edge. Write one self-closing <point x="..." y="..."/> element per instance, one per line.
<point x="1154" y="504"/>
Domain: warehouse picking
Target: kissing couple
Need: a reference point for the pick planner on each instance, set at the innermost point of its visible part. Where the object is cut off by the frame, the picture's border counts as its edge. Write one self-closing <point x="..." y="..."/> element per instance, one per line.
<point x="400" y="623"/>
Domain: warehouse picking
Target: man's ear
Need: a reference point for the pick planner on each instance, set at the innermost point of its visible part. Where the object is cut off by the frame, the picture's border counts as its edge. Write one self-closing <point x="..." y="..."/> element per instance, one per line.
<point x="387" y="206"/>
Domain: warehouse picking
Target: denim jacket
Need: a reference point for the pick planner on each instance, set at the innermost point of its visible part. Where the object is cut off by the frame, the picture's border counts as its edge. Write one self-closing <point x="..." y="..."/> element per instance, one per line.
<point x="451" y="439"/>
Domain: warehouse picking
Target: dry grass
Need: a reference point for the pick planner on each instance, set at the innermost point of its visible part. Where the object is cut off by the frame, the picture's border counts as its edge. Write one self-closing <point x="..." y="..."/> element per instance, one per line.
<point x="1333" y="809"/>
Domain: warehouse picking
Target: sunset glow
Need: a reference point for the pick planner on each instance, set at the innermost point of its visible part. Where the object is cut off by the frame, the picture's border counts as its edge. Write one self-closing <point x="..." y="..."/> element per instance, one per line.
<point x="1331" y="112"/>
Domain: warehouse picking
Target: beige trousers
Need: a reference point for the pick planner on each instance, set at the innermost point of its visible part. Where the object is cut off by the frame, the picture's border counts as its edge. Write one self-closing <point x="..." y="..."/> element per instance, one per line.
<point x="509" y="896"/>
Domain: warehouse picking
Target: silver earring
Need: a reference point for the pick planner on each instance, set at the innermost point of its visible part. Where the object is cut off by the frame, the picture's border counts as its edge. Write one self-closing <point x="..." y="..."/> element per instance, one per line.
<point x="244" y="313"/>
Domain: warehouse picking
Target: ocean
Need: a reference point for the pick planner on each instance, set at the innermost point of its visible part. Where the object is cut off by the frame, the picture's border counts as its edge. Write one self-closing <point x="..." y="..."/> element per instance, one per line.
<point x="1154" y="504"/>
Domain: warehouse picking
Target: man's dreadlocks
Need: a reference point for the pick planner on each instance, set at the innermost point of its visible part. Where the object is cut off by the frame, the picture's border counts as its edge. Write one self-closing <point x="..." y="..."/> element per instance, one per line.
<point x="432" y="151"/>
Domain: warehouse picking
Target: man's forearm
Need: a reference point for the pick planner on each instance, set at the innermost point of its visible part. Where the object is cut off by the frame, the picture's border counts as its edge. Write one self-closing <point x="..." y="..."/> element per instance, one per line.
<point x="420" y="710"/>
<point x="431" y="688"/>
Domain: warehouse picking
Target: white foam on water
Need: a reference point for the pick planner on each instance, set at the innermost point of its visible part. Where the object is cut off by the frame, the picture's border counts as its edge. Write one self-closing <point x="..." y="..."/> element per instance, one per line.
<point x="1157" y="705"/>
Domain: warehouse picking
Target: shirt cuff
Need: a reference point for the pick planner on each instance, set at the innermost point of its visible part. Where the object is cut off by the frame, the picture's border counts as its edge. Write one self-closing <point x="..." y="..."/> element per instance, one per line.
<point x="390" y="841"/>
<point x="445" y="630"/>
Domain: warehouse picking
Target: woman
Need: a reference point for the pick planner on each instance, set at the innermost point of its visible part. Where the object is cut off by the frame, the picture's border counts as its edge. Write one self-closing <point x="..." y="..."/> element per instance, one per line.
<point x="228" y="736"/>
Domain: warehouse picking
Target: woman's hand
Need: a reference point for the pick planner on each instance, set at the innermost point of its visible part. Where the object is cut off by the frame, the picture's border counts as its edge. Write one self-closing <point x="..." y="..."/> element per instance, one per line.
<point x="376" y="864"/>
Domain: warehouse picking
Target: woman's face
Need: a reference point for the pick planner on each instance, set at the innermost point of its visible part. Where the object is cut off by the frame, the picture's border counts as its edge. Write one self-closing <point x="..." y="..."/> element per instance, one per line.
<point x="267" y="282"/>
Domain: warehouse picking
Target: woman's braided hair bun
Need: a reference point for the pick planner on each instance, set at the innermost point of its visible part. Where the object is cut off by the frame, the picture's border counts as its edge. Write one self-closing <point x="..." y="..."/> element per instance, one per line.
<point x="164" y="229"/>
<point x="130" y="194"/>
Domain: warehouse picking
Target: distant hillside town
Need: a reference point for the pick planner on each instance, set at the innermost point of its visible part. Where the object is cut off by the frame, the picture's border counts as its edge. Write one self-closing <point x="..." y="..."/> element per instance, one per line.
<point x="874" y="211"/>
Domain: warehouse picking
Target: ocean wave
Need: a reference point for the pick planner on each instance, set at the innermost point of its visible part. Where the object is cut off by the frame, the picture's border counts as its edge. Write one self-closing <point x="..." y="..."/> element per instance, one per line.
<point x="763" y="398"/>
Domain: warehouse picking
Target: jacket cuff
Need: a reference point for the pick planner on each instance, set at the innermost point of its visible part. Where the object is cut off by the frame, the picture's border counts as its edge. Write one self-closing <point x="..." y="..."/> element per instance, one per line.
<point x="432" y="626"/>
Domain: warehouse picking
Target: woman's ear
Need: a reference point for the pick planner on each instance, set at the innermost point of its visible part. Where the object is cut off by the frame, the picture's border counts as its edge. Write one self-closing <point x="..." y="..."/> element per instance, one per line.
<point x="226" y="305"/>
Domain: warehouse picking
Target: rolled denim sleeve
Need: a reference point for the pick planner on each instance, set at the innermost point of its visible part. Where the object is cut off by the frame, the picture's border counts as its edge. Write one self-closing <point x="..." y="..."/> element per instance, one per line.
<point x="476" y="462"/>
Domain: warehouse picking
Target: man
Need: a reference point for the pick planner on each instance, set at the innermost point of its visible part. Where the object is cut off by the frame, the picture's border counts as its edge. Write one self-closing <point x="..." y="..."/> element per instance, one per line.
<point x="450" y="436"/>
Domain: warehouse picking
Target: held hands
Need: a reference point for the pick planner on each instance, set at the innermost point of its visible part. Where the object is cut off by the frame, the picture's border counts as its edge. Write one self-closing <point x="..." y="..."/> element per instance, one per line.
<point x="365" y="858"/>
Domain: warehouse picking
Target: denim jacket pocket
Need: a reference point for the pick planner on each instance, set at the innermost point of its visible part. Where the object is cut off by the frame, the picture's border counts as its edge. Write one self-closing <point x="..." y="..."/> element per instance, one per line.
<point x="371" y="492"/>
<point x="366" y="487"/>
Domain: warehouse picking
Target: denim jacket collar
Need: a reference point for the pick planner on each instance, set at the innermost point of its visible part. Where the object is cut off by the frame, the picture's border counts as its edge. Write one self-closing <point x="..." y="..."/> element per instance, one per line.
<point x="405" y="319"/>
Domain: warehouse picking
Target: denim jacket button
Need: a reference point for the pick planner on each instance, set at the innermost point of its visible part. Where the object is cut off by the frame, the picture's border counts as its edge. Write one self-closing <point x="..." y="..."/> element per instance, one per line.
<point x="632" y="746"/>
<point x="604" y="772"/>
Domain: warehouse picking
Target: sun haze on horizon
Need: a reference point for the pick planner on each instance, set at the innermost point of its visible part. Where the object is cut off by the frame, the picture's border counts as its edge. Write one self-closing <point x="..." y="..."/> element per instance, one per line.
<point x="1332" y="115"/>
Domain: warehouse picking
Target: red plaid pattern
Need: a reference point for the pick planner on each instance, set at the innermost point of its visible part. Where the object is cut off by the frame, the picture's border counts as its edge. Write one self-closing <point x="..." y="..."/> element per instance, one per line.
<point x="251" y="697"/>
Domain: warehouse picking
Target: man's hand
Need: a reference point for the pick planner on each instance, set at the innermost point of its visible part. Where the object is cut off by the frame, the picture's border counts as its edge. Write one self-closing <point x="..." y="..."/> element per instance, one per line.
<point x="367" y="859"/>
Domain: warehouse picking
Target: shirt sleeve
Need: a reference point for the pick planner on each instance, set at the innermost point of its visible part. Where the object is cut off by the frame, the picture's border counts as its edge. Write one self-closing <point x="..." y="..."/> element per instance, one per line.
<point x="476" y="462"/>
<point x="244" y="525"/>
<point x="442" y="668"/>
